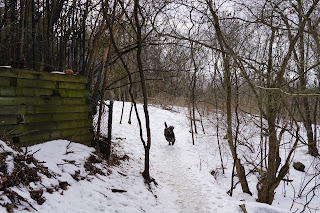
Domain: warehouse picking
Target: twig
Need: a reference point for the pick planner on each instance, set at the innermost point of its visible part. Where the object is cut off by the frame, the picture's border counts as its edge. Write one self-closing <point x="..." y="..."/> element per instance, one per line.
<point x="103" y="194"/>
<point x="118" y="190"/>
<point x="31" y="131"/>
<point x="100" y="179"/>
<point x="291" y="94"/>
<point x="68" y="146"/>
<point x="243" y="207"/>
<point x="35" y="152"/>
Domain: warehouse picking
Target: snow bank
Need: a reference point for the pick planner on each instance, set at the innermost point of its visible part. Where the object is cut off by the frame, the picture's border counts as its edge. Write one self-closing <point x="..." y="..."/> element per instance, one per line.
<point x="190" y="178"/>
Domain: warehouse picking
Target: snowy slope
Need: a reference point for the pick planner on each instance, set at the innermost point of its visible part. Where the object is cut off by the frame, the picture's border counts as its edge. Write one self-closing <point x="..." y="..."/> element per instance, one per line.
<point x="182" y="171"/>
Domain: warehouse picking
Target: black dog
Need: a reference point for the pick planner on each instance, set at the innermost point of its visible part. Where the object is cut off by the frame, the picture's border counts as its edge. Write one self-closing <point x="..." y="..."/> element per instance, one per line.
<point x="169" y="134"/>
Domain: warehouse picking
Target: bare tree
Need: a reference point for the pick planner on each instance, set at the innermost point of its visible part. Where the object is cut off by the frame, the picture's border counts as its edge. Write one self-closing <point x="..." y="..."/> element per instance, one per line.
<point x="141" y="19"/>
<point x="139" y="24"/>
<point x="270" y="59"/>
<point x="271" y="178"/>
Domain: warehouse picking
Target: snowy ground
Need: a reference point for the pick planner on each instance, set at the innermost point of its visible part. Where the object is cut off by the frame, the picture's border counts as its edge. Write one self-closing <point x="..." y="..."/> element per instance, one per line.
<point x="182" y="171"/>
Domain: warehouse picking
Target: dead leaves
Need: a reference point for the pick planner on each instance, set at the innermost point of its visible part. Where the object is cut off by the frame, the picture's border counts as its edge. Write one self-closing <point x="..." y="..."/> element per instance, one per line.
<point x="26" y="169"/>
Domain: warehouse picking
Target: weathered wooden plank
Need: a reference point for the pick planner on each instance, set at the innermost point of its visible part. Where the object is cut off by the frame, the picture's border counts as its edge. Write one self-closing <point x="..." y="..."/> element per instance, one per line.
<point x="74" y="101"/>
<point x="59" y="125"/>
<point x="43" y="100"/>
<point x="26" y="92"/>
<point x="72" y="93"/>
<point x="29" y="74"/>
<point x="33" y="83"/>
<point x="68" y="85"/>
<point x="85" y="139"/>
<point x="39" y="106"/>
<point x="8" y="130"/>
<point x="7" y="91"/>
<point x="4" y="81"/>
<point x="62" y="108"/>
<point x="24" y="109"/>
<point x="52" y="135"/>
<point x="38" y="127"/>
<point x="29" y="92"/>
<point x="8" y="119"/>
<point x="7" y="110"/>
<point x="35" y="118"/>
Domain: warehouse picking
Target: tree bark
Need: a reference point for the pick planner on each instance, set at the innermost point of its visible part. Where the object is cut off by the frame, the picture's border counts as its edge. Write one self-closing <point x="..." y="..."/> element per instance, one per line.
<point x="312" y="145"/>
<point x="227" y="78"/>
<point x="193" y="90"/>
<point x="146" y="172"/>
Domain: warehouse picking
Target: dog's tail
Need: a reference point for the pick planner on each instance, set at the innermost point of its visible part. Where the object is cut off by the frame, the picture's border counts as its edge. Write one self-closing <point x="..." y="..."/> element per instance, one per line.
<point x="165" y="124"/>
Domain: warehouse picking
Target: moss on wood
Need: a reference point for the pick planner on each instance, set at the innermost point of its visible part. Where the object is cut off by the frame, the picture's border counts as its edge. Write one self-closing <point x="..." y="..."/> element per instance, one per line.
<point x="28" y="74"/>
<point x="4" y="81"/>
<point x="73" y="93"/>
<point x="8" y="119"/>
<point x="31" y="92"/>
<point x="24" y="109"/>
<point x="35" y="118"/>
<point x="40" y="106"/>
<point x="32" y="83"/>
<point x="16" y="129"/>
<point x="68" y="85"/>
<point x="52" y="135"/>
<point x="85" y="139"/>
<point x="43" y="100"/>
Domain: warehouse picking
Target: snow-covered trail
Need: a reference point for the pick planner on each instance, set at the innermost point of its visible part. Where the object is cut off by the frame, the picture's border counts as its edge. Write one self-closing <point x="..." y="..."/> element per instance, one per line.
<point x="193" y="196"/>
<point x="177" y="168"/>
<point x="182" y="172"/>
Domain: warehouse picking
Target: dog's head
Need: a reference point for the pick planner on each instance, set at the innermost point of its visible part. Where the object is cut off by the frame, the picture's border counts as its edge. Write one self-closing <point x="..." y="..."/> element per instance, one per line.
<point x="170" y="129"/>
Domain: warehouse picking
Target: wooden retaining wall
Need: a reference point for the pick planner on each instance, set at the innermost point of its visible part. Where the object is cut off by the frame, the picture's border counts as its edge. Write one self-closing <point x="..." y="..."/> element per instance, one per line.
<point x="37" y="106"/>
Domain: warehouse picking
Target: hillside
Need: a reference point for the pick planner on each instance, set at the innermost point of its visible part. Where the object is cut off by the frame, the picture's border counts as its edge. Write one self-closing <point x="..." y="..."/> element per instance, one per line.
<point x="189" y="178"/>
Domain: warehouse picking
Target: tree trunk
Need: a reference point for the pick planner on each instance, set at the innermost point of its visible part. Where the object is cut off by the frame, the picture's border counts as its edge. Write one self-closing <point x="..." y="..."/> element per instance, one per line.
<point x="271" y="180"/>
<point x="23" y="9"/>
<point x="307" y="121"/>
<point x="193" y="90"/>
<point x="265" y="186"/>
<point x="227" y="78"/>
<point x="129" y="121"/>
<point x="12" y="31"/>
<point x="312" y="144"/>
<point x="106" y="75"/>
<point x="122" y="111"/>
<point x="240" y="169"/>
<point x="190" y="110"/>
<point x="146" y="173"/>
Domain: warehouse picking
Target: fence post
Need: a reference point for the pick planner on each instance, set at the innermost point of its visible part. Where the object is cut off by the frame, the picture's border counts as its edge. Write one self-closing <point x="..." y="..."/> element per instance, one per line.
<point x="110" y="120"/>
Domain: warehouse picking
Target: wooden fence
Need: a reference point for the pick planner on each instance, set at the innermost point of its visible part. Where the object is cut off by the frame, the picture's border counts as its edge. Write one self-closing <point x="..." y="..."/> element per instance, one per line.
<point x="37" y="106"/>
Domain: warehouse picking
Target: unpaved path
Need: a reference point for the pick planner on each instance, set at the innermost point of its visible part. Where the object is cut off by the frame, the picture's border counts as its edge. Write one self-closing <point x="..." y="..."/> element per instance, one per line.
<point x="178" y="168"/>
<point x="182" y="171"/>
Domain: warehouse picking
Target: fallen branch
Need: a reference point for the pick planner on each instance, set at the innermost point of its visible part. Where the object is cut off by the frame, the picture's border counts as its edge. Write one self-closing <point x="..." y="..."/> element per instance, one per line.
<point x="243" y="207"/>
<point x="118" y="190"/>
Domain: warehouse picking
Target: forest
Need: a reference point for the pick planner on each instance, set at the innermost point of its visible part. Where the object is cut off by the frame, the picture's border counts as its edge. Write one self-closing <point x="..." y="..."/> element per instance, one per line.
<point x="235" y="57"/>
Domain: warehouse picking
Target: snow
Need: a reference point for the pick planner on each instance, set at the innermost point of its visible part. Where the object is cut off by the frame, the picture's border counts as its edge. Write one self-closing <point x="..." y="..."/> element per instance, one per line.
<point x="57" y="72"/>
<point x="182" y="172"/>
